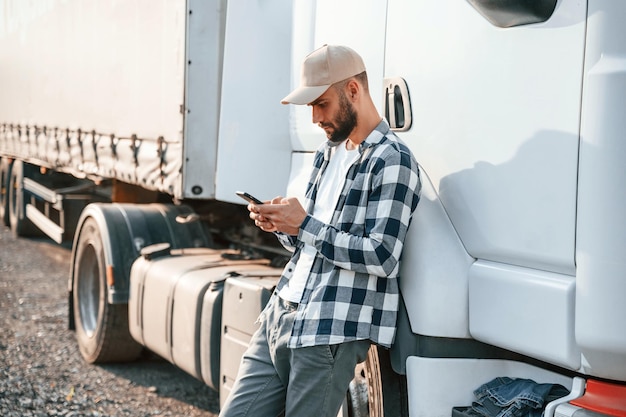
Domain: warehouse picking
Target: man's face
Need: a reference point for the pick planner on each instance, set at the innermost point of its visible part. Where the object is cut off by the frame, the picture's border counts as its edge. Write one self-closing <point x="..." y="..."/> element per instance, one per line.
<point x="334" y="113"/>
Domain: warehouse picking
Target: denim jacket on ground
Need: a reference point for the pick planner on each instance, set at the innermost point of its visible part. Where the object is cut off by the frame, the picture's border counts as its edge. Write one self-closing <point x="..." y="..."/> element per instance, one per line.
<point x="507" y="397"/>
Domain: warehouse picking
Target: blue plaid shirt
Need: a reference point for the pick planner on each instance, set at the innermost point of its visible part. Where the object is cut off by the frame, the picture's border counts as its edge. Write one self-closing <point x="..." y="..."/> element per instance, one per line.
<point x="352" y="290"/>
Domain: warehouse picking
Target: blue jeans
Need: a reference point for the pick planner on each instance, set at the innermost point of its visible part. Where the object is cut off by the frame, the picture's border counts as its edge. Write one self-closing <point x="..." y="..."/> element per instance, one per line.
<point x="507" y="397"/>
<point x="274" y="379"/>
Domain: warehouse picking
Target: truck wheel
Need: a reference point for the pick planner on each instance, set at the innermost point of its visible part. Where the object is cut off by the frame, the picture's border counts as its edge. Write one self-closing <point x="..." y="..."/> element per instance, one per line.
<point x="376" y="390"/>
<point x="101" y="328"/>
<point x="5" y="174"/>
<point x="18" y="198"/>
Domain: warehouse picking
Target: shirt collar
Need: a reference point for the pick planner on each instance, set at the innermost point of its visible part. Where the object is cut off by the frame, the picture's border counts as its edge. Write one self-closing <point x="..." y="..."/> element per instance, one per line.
<point x="376" y="136"/>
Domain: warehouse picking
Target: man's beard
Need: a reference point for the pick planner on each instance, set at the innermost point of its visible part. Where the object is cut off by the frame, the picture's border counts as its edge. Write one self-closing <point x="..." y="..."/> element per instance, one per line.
<point x="346" y="120"/>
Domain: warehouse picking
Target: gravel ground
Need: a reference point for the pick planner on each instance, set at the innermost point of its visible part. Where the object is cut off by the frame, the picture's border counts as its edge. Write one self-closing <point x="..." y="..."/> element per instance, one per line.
<point x="41" y="370"/>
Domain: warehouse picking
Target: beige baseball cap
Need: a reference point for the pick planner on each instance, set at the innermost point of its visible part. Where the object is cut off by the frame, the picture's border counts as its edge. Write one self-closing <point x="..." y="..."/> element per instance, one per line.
<point x="321" y="69"/>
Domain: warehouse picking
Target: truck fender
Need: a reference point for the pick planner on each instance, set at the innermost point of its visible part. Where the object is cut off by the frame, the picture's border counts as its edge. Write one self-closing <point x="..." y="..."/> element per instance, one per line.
<point x="127" y="228"/>
<point x="433" y="280"/>
<point x="433" y="317"/>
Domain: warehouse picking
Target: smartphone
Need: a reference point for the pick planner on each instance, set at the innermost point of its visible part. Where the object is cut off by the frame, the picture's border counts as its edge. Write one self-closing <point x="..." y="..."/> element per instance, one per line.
<point x="248" y="197"/>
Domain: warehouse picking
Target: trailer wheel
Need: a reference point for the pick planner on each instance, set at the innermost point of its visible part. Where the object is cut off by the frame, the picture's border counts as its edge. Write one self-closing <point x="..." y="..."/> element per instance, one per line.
<point x="18" y="198"/>
<point x="376" y="390"/>
<point x="5" y="174"/>
<point x="101" y="328"/>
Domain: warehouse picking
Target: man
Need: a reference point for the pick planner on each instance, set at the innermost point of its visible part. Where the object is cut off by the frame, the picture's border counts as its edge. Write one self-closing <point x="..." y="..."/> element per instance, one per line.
<point x="339" y="292"/>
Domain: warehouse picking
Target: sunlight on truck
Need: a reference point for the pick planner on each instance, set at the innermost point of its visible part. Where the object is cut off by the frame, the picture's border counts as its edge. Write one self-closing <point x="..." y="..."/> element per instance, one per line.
<point x="127" y="127"/>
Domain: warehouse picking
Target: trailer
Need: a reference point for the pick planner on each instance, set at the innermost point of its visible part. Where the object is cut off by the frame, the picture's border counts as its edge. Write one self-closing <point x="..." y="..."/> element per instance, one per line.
<point x="112" y="113"/>
<point x="127" y="128"/>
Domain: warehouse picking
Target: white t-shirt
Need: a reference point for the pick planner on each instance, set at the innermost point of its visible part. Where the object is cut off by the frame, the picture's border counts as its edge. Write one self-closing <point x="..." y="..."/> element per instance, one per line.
<point x="329" y="190"/>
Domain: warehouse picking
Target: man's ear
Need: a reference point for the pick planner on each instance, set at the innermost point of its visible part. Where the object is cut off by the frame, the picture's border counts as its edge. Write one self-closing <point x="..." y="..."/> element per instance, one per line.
<point x="353" y="89"/>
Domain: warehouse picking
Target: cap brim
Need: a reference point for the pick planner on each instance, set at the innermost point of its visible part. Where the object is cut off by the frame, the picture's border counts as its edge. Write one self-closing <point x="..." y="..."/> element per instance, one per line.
<point x="305" y="95"/>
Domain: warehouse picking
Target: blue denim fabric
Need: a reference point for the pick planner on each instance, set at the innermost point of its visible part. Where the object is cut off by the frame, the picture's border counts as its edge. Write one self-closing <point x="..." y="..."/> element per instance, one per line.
<point x="508" y="397"/>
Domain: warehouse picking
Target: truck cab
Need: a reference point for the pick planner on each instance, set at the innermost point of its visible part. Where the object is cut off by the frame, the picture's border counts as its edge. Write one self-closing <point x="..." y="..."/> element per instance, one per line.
<point x="513" y="114"/>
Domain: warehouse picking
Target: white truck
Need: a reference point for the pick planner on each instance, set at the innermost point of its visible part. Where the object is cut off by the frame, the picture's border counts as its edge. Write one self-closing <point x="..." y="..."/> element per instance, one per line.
<point x="128" y="127"/>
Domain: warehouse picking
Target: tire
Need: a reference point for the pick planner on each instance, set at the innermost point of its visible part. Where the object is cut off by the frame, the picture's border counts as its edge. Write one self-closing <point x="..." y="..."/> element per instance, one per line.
<point x="101" y="328"/>
<point x="5" y="175"/>
<point x="18" y="198"/>
<point x="376" y="390"/>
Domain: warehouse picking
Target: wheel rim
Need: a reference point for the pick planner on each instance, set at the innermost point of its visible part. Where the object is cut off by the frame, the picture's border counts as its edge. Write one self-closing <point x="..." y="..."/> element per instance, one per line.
<point x="89" y="290"/>
<point x="374" y="383"/>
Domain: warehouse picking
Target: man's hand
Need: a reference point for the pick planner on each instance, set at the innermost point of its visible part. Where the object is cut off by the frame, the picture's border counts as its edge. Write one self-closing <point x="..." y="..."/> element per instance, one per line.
<point x="281" y="214"/>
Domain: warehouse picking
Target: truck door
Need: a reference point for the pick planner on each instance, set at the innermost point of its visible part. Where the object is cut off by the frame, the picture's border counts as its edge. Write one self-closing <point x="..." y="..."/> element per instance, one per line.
<point x="495" y="127"/>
